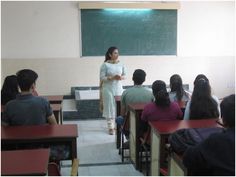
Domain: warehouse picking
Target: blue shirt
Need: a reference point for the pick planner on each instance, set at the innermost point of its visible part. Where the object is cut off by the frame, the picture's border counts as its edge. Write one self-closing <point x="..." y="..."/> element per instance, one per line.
<point x="27" y="110"/>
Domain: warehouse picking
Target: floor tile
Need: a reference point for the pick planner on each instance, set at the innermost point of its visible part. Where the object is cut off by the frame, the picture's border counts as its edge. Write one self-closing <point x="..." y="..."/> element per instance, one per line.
<point x="96" y="150"/>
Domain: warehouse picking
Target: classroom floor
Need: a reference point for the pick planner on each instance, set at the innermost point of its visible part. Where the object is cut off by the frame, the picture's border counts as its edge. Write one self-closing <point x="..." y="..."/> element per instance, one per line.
<point x="96" y="150"/>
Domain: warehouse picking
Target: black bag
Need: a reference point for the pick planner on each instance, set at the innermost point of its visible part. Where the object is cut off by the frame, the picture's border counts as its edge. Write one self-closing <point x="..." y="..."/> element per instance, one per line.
<point x="185" y="138"/>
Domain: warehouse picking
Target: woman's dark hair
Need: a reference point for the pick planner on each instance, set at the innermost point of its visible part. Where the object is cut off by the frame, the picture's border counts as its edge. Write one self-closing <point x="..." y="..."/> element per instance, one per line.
<point x="176" y="85"/>
<point x="109" y="52"/>
<point x="139" y="76"/>
<point x="26" y="78"/>
<point x="227" y="108"/>
<point x="160" y="93"/>
<point x="200" y="76"/>
<point x="9" y="89"/>
<point x="202" y="104"/>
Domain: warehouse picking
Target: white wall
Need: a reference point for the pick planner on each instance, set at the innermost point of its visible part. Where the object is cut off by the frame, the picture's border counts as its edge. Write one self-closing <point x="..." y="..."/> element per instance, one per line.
<point x="40" y="29"/>
<point x="44" y="36"/>
<point x="206" y="29"/>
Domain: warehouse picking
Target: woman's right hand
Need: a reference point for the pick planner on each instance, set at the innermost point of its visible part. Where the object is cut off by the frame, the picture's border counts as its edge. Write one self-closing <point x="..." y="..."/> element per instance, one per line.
<point x="116" y="77"/>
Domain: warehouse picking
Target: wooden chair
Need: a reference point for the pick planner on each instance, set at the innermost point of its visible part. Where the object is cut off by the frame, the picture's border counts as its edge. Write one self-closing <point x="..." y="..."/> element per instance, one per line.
<point x="54" y="168"/>
<point x="123" y="128"/>
<point x="145" y="148"/>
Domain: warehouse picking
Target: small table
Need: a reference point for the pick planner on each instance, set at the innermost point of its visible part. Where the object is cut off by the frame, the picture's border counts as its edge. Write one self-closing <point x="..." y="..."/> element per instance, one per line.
<point x="135" y="118"/>
<point x="118" y="133"/>
<point x="11" y="136"/>
<point x="160" y="131"/>
<point x="54" y="99"/>
<point x="25" y="162"/>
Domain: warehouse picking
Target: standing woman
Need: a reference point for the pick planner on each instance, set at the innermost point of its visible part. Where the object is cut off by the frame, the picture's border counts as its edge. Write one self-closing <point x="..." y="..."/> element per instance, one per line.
<point x="112" y="72"/>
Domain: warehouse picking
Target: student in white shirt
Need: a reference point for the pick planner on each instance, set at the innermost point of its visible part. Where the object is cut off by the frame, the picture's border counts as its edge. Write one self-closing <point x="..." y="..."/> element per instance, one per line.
<point x="202" y="105"/>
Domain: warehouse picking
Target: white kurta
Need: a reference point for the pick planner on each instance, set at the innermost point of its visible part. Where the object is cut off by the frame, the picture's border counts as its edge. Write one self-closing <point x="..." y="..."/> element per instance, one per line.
<point x="111" y="88"/>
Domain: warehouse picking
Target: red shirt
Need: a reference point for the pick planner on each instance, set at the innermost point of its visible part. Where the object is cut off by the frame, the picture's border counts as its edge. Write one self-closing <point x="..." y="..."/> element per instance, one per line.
<point x="152" y="112"/>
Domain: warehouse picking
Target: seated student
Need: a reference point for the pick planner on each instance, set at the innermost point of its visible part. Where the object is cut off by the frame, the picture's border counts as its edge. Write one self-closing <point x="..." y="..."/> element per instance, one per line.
<point x="215" y="155"/>
<point x="27" y="109"/>
<point x="177" y="93"/>
<point x="9" y="89"/>
<point x="161" y="109"/>
<point x="135" y="94"/>
<point x="202" y="105"/>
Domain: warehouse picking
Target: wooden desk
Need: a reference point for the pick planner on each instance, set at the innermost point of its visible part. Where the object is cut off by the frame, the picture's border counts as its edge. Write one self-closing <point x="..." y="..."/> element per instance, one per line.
<point x="25" y="162"/>
<point x="40" y="134"/>
<point x="57" y="112"/>
<point x="135" y="117"/>
<point x="118" y="108"/>
<point x="160" y="130"/>
<point x="54" y="99"/>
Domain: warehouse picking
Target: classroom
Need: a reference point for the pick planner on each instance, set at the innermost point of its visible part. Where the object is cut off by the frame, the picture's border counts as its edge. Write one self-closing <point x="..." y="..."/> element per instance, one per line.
<point x="46" y="37"/>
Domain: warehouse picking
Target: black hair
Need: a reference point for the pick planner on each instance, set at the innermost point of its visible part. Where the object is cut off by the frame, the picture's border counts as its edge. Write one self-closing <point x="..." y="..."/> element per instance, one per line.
<point x="26" y="78"/>
<point x="109" y="52"/>
<point x="9" y="89"/>
<point x="160" y="93"/>
<point x="139" y="76"/>
<point x="227" y="107"/>
<point x="176" y="85"/>
<point x="202" y="104"/>
<point x="200" y="76"/>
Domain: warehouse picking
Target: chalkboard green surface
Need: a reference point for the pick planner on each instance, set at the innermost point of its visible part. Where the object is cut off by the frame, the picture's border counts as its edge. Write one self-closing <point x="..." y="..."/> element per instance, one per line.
<point x="134" y="32"/>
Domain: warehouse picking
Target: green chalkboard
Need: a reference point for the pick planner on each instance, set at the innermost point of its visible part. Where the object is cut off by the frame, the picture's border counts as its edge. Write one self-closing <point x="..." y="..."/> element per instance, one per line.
<point x="134" y="32"/>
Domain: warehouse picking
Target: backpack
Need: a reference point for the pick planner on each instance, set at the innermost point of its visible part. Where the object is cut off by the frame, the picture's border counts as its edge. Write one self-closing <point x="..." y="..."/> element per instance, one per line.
<point x="185" y="138"/>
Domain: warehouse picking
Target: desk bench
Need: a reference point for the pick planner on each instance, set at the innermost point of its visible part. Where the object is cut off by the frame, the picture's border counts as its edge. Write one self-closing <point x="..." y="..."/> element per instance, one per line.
<point x="25" y="162"/>
<point x="135" y="119"/>
<point x="160" y="131"/>
<point x="13" y="136"/>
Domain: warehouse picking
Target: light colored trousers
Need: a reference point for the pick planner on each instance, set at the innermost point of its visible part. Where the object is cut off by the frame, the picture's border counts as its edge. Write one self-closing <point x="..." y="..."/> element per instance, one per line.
<point x="110" y="123"/>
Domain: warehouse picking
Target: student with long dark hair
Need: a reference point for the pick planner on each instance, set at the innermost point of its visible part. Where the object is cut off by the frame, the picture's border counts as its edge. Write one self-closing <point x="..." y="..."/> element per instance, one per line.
<point x="112" y="72"/>
<point x="177" y="93"/>
<point x="9" y="89"/>
<point x="215" y="156"/>
<point x="200" y="76"/>
<point x="202" y="104"/>
<point x="162" y="108"/>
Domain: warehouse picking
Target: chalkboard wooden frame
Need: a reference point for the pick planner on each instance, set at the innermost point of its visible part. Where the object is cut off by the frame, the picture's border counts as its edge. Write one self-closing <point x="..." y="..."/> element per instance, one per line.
<point x="152" y="32"/>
